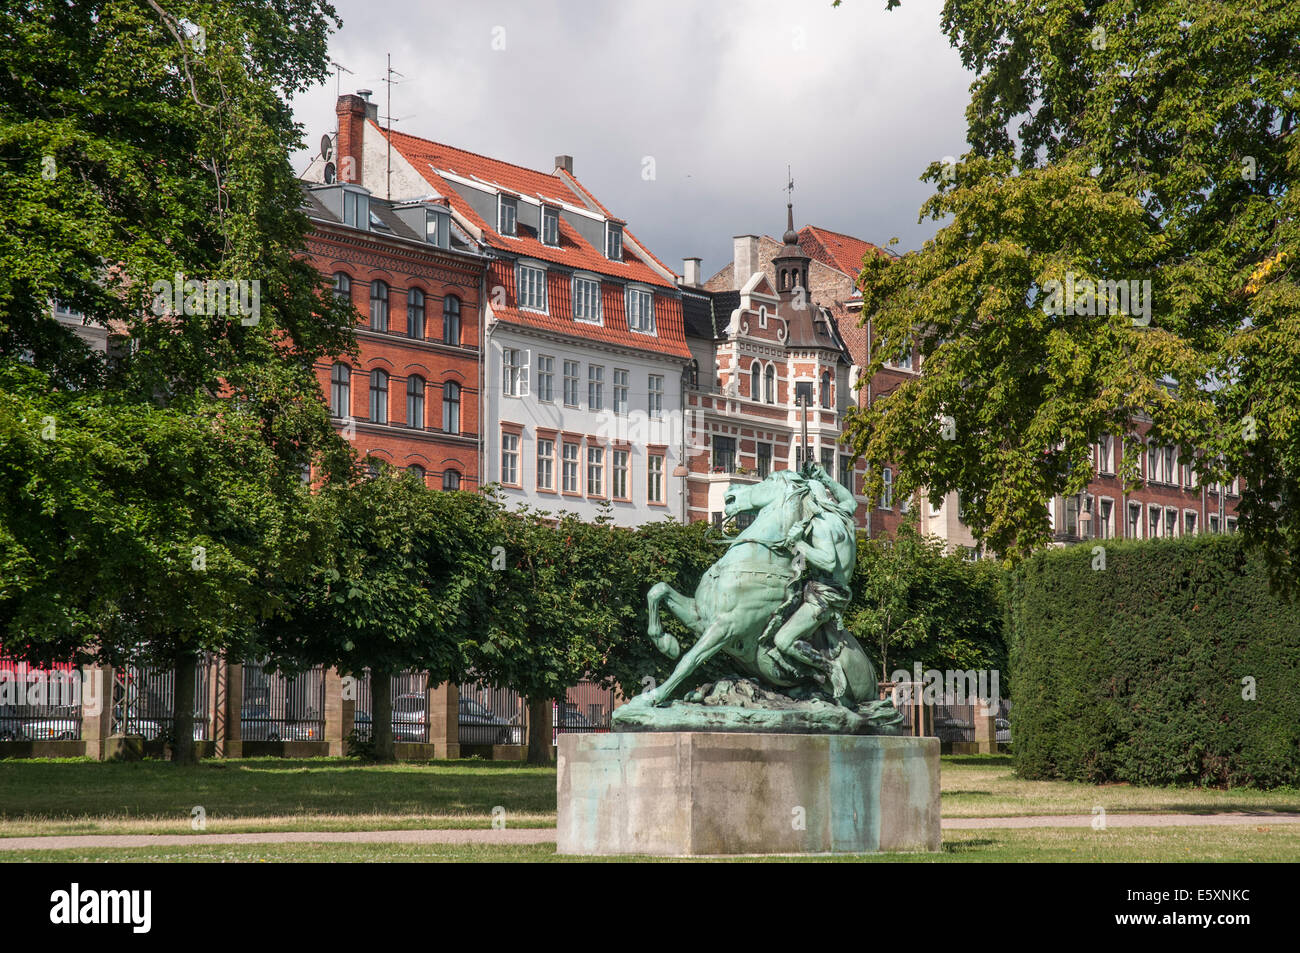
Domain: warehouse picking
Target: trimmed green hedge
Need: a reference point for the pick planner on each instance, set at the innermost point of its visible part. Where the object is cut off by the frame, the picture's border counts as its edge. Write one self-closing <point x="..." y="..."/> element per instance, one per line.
<point x="1135" y="672"/>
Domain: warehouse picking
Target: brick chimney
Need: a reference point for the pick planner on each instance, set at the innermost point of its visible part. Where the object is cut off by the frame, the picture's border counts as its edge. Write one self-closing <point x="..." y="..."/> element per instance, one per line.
<point x="565" y="163"/>
<point x="744" y="260"/>
<point x="691" y="272"/>
<point x="352" y="111"/>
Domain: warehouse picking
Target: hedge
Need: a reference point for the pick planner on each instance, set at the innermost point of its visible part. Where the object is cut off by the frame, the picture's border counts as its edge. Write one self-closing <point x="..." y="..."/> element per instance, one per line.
<point x="1140" y="671"/>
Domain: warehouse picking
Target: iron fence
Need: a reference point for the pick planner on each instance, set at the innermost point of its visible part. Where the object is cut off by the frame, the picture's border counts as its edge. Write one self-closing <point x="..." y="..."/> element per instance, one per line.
<point x="586" y="707"/>
<point x="39" y="703"/>
<point x="144" y="701"/>
<point x="410" y="707"/>
<point x="491" y="716"/>
<point x="949" y="721"/>
<point x="282" y="708"/>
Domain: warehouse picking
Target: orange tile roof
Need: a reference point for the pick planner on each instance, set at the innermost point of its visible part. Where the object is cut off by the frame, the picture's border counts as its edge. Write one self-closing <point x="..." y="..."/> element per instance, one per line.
<point x="837" y="249"/>
<point x="573" y="250"/>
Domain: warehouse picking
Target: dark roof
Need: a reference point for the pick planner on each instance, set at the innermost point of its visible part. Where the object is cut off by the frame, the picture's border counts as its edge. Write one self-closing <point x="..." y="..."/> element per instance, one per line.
<point x="381" y="209"/>
<point x="697" y="311"/>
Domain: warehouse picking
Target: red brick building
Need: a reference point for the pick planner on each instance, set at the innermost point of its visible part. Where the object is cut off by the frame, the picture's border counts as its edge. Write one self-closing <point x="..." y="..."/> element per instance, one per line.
<point x="412" y="398"/>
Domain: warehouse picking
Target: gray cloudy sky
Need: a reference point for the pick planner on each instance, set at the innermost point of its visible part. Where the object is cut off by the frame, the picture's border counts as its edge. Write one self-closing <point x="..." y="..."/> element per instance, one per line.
<point x="722" y="96"/>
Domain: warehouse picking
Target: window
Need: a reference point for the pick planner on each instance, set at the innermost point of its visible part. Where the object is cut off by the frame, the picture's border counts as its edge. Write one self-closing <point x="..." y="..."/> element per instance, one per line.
<point x="762" y="318"/>
<point x="1153" y="522"/>
<point x="826" y="392"/>
<point x="451" y="320"/>
<point x="903" y="360"/>
<point x="545" y="377"/>
<point x="586" y="299"/>
<point x="571" y="383"/>
<point x="654" y="488"/>
<point x="550" y="225"/>
<point x="828" y="460"/>
<point x="545" y="464"/>
<point x="1104" y="527"/>
<point x="451" y="407"/>
<point x="1134" y="530"/>
<point x="640" y="310"/>
<point x="451" y="479"/>
<point x="378" y="306"/>
<point x="1071" y="515"/>
<point x="1153" y="463"/>
<point x="1214" y="523"/>
<point x="415" y="401"/>
<point x="803" y="393"/>
<point x="595" y="471"/>
<point x="507" y="215"/>
<point x="620" y="391"/>
<point x="618" y="487"/>
<point x="1106" y="454"/>
<point x="764" y="460"/>
<point x="415" y="314"/>
<point x="569" y="468"/>
<point x="1232" y="524"/>
<point x="724" y="453"/>
<point x="416" y="470"/>
<point x="510" y="459"/>
<point x="532" y="288"/>
<point x="755" y="380"/>
<point x="356" y="209"/>
<point x="341" y="390"/>
<point x="1171" y="467"/>
<point x="1171" y="522"/>
<point x="379" y="396"/>
<point x="844" y="476"/>
<point x="595" y="386"/>
<point x="656" y="396"/>
<point x="613" y="242"/>
<point x="342" y="286"/>
<point x="1189" y="524"/>
<point x="769" y="384"/>
<point x="887" y="490"/>
<point x="514" y="373"/>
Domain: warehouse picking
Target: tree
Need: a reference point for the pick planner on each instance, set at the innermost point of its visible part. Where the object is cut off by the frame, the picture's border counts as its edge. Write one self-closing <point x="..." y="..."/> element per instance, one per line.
<point x="144" y="173"/>
<point x="402" y="588"/>
<point x="1115" y="142"/>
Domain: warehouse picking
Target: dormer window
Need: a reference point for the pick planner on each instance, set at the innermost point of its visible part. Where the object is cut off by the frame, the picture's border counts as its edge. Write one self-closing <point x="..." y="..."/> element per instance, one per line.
<point x="613" y="242"/>
<point x="435" y="229"/>
<point x="356" y="209"/>
<point x="586" y="299"/>
<point x="550" y="226"/>
<point x="640" y="311"/>
<point x="532" y="287"/>
<point x="508" y="215"/>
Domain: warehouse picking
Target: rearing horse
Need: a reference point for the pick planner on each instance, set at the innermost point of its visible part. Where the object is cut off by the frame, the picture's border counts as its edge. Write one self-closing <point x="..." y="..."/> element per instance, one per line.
<point x="740" y="594"/>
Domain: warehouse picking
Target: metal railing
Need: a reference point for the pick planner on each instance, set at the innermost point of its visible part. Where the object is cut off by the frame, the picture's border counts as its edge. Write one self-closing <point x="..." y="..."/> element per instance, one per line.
<point x="39" y="703"/>
<point x="282" y="708"/>
<point x="491" y="716"/>
<point x="410" y="707"/>
<point x="585" y="707"/>
<point x="144" y="701"/>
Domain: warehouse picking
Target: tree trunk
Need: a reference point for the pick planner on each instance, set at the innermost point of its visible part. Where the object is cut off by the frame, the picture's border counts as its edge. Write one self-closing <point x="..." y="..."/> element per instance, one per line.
<point x="381" y="714"/>
<point x="539" y="730"/>
<point x="187" y="673"/>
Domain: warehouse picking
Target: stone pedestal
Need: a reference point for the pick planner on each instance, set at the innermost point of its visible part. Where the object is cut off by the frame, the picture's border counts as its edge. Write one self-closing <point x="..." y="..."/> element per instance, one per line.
<point x="693" y="793"/>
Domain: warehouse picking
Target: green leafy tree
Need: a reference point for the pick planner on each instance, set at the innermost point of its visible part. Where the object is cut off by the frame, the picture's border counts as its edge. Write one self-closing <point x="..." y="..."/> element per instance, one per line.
<point x="1127" y="140"/>
<point x="402" y="588"/>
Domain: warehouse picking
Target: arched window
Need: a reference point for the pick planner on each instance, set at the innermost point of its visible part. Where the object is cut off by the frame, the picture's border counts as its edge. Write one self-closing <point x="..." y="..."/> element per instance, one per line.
<point x="770" y="382"/>
<point x="695" y="374"/>
<point x="451" y="479"/>
<point x="755" y="381"/>
<point x="378" y="306"/>
<point x="342" y="286"/>
<point x="417" y="470"/>
<point x="826" y="388"/>
<point x="887" y="491"/>
<point x="379" y="396"/>
<point x="451" y="320"/>
<point x="415" y="402"/>
<point x="415" y="314"/>
<point x="451" y="407"/>
<point x="341" y="390"/>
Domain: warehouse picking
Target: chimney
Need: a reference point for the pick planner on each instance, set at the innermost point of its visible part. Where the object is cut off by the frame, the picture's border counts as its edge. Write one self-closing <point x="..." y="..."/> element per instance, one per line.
<point x="744" y="260"/>
<point x="565" y="163"/>
<point x="372" y="109"/>
<point x="352" y="112"/>
<point x="691" y="272"/>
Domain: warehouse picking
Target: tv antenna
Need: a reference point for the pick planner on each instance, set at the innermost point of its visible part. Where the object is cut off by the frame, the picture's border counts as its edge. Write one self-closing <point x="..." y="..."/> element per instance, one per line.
<point x="389" y="73"/>
<point x="339" y="70"/>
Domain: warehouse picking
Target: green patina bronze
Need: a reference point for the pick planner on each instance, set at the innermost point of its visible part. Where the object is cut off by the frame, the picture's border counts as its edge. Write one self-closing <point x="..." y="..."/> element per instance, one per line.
<point x="772" y="605"/>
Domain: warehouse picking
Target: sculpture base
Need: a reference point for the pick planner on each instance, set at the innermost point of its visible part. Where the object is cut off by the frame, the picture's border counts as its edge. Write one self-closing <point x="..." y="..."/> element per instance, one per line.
<point x="699" y="793"/>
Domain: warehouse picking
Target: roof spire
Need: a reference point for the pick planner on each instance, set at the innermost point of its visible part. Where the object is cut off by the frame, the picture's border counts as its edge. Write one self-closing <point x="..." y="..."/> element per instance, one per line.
<point x="791" y="237"/>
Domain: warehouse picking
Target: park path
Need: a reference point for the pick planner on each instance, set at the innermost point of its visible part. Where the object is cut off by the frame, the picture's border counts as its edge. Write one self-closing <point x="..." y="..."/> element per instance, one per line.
<point x="546" y="835"/>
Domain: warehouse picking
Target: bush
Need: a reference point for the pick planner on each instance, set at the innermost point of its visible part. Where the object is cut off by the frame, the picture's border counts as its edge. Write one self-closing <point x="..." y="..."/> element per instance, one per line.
<point x="1142" y="671"/>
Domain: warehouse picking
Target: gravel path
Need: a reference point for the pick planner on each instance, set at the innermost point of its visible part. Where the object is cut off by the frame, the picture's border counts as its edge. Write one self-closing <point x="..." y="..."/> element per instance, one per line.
<point x="545" y="835"/>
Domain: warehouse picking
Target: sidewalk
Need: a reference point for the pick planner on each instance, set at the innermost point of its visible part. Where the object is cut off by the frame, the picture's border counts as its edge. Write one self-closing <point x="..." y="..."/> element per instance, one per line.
<point x="546" y="835"/>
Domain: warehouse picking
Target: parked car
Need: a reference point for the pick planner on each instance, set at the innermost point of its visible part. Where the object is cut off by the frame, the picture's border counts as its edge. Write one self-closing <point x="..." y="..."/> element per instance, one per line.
<point x="257" y="724"/>
<point x="953" y="729"/>
<point x="47" y="729"/>
<point x="1003" y="731"/>
<point x="363" y="725"/>
<point x="479" y="726"/>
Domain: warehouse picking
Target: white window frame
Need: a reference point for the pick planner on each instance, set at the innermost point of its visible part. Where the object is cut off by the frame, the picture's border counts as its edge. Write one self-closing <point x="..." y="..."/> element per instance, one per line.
<point x="642" y="321"/>
<point x="621" y="475"/>
<point x="613" y="241"/>
<point x="654" y="478"/>
<point x="573" y="380"/>
<point x="550" y="213"/>
<point x="595" y="386"/>
<point x="504" y="203"/>
<point x="515" y="363"/>
<point x="621" y="391"/>
<point x="655" y="396"/>
<point x="595" y="471"/>
<point x="510" y="451"/>
<point x="547" y="458"/>
<point x="592" y="314"/>
<point x="546" y="377"/>
<point x="530" y="280"/>
<point x="566" y="462"/>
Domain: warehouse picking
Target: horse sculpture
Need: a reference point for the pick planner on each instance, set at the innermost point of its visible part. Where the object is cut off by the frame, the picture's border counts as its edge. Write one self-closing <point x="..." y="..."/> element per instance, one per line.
<point x="754" y="606"/>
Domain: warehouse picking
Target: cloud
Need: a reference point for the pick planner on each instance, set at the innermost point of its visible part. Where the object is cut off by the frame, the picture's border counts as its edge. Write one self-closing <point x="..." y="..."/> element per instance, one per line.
<point x="721" y="96"/>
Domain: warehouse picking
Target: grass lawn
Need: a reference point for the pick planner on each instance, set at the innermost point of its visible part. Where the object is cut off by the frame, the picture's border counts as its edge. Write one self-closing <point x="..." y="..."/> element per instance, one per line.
<point x="322" y="794"/>
<point x="1255" y="843"/>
